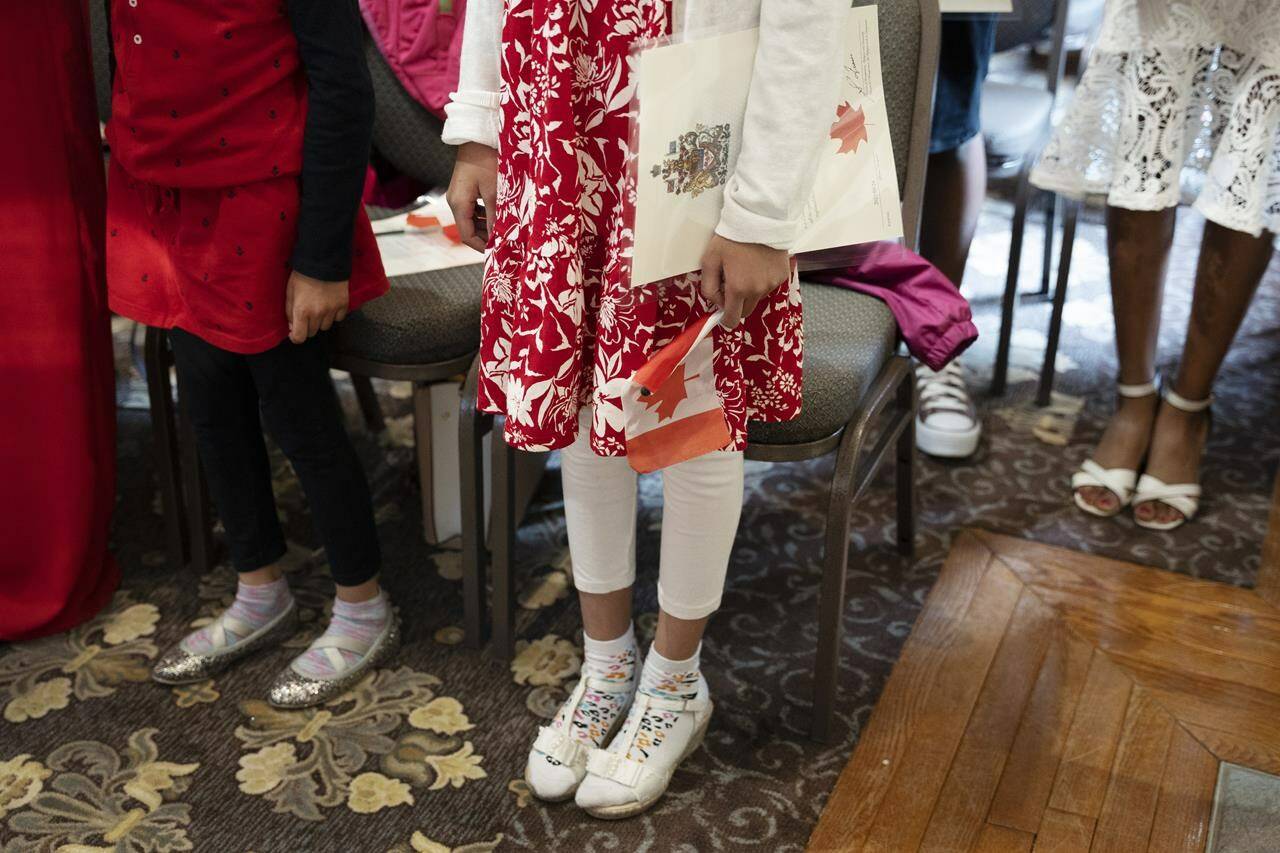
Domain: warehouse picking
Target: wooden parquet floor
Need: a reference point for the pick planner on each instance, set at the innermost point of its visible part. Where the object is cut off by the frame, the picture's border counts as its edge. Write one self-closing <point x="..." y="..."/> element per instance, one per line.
<point x="1048" y="700"/>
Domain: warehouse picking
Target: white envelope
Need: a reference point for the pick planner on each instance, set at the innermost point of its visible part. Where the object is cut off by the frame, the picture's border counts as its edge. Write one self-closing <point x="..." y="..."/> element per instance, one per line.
<point x="407" y="251"/>
<point x="692" y="97"/>
<point x="953" y="6"/>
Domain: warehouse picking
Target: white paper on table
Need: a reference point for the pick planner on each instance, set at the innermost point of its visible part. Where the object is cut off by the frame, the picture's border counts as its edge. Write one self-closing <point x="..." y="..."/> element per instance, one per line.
<point x="948" y="7"/>
<point x="693" y="95"/>
<point x="405" y="252"/>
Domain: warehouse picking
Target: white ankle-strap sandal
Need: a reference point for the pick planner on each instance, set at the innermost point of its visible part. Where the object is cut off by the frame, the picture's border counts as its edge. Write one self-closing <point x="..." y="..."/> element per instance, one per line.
<point x="1183" y="497"/>
<point x="647" y="780"/>
<point x="559" y="745"/>
<point x="1119" y="481"/>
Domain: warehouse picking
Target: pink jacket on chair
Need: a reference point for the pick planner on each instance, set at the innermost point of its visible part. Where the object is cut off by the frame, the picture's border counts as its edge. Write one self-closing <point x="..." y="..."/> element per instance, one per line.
<point x="422" y="42"/>
<point x="933" y="318"/>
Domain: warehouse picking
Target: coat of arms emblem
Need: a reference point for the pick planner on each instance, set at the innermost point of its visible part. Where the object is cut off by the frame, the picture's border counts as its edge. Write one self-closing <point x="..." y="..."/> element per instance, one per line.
<point x="696" y="161"/>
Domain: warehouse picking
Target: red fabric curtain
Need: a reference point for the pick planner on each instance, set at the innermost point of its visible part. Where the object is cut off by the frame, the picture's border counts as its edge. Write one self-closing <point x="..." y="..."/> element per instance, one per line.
<point x="57" y="408"/>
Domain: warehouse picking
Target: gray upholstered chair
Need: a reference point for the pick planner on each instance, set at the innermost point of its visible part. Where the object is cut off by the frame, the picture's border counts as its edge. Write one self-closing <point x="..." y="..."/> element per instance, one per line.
<point x="853" y="378"/>
<point x="1017" y="119"/>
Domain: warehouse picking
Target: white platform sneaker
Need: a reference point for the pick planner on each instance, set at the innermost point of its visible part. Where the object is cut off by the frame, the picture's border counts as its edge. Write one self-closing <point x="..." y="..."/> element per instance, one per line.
<point x="947" y="422"/>
<point x="557" y="763"/>
<point x="617" y="786"/>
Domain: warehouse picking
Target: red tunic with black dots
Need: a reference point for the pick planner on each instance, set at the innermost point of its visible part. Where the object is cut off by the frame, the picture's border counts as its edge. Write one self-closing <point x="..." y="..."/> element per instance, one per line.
<point x="208" y="111"/>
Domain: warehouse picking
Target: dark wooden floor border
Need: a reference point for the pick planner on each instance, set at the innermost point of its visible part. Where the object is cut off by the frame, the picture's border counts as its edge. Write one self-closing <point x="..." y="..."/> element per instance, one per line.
<point x="1269" y="570"/>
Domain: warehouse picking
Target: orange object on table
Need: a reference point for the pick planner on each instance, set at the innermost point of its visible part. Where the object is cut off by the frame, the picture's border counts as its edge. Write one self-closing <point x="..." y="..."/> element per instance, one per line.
<point x="420" y="220"/>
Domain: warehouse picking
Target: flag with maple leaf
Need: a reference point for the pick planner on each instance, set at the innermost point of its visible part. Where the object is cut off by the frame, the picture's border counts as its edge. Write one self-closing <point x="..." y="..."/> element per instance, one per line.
<point x="850" y="128"/>
<point x="670" y="406"/>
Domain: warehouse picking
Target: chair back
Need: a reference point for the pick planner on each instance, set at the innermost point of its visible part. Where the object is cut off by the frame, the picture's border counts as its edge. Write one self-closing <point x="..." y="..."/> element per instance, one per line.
<point x="403" y="130"/>
<point x="1028" y="24"/>
<point x="909" y="32"/>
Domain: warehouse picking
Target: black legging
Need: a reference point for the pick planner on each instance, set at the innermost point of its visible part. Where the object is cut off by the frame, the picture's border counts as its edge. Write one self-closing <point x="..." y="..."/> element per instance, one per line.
<point x="290" y="386"/>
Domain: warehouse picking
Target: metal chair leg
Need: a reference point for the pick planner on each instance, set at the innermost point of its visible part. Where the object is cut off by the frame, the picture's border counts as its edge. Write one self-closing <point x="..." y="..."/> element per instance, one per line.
<point x="1052" y="212"/>
<point x="160" y="393"/>
<point x="368" y="400"/>
<point x="905" y="465"/>
<point x="831" y="598"/>
<point x="472" y="426"/>
<point x="896" y="384"/>
<point x="422" y="453"/>
<point x="502" y="520"/>
<point x="1044" y="393"/>
<point x="199" y="514"/>
<point x="1000" y="373"/>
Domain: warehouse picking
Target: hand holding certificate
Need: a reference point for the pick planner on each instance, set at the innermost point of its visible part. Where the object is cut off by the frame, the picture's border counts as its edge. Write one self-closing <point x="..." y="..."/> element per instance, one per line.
<point x="692" y="97"/>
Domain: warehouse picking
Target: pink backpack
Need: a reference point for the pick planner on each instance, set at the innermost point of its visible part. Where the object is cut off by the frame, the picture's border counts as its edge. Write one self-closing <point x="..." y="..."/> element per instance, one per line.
<point x="422" y="42"/>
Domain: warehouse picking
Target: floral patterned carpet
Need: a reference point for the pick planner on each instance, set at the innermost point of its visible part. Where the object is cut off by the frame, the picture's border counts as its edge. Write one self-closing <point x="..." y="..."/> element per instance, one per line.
<point x="427" y="756"/>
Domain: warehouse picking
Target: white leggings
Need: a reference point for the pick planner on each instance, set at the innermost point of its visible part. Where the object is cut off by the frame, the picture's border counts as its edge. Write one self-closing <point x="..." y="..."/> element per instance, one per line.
<point x="702" y="501"/>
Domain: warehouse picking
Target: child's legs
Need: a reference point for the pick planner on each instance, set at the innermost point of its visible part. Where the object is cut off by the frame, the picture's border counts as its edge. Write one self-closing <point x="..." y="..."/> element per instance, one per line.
<point x="302" y="412"/>
<point x="600" y="516"/>
<point x="702" y="502"/>
<point x="219" y="396"/>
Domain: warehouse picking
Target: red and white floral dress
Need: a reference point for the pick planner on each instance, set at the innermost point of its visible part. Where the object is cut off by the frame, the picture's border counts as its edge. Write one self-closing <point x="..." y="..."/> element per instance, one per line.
<point x="560" y="319"/>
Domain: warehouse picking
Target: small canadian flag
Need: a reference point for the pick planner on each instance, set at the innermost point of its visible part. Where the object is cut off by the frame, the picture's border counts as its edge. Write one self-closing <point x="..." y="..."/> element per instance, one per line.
<point x="671" y="407"/>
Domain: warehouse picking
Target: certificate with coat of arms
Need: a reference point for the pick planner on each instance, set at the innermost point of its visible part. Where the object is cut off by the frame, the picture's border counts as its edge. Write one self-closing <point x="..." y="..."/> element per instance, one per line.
<point x="692" y="97"/>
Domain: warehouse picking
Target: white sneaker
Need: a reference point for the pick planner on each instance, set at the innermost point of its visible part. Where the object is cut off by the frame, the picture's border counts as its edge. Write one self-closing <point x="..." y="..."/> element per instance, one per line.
<point x="558" y="760"/>
<point x="947" y="422"/>
<point x="617" y="786"/>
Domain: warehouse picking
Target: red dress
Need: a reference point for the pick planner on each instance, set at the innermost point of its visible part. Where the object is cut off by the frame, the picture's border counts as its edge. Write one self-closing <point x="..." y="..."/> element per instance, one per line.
<point x="57" y="419"/>
<point x="208" y="112"/>
<point x="559" y="318"/>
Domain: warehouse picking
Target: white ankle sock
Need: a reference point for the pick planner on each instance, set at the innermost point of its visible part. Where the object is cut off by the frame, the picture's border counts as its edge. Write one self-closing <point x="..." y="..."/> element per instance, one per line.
<point x="666" y="679"/>
<point x="358" y="621"/>
<point x="255" y="605"/>
<point x="609" y="660"/>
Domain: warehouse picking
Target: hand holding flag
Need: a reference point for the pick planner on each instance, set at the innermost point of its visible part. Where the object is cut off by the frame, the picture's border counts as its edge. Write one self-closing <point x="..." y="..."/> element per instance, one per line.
<point x="671" y="407"/>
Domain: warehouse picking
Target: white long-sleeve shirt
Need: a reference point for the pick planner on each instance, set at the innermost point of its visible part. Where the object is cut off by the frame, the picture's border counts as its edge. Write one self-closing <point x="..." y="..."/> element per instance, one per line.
<point x="794" y="81"/>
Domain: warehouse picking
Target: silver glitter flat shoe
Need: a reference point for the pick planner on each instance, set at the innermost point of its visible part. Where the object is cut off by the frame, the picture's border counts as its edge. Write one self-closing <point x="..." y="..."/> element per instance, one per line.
<point x="180" y="666"/>
<point x="295" y="690"/>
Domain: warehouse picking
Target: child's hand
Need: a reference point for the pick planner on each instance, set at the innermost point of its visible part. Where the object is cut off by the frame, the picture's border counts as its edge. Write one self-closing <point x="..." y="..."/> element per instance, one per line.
<point x="475" y="176"/>
<point x="312" y="305"/>
<point x="736" y="276"/>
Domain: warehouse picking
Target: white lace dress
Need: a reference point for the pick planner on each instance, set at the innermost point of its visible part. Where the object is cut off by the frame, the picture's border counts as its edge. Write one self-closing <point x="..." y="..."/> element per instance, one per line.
<point x="1180" y="103"/>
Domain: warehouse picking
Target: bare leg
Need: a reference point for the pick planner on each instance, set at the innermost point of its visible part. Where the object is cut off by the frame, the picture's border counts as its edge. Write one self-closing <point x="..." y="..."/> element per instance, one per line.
<point x="1138" y="245"/>
<point x="1231" y="265"/>
<point x="273" y="573"/>
<point x="678" y="639"/>
<point x="266" y="574"/>
<point x="359" y="592"/>
<point x="605" y="615"/>
<point x="953" y="196"/>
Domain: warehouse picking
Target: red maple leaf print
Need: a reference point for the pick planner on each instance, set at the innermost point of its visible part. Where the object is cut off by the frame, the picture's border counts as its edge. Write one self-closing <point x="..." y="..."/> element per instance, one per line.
<point x="850" y="128"/>
<point x="669" y="394"/>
